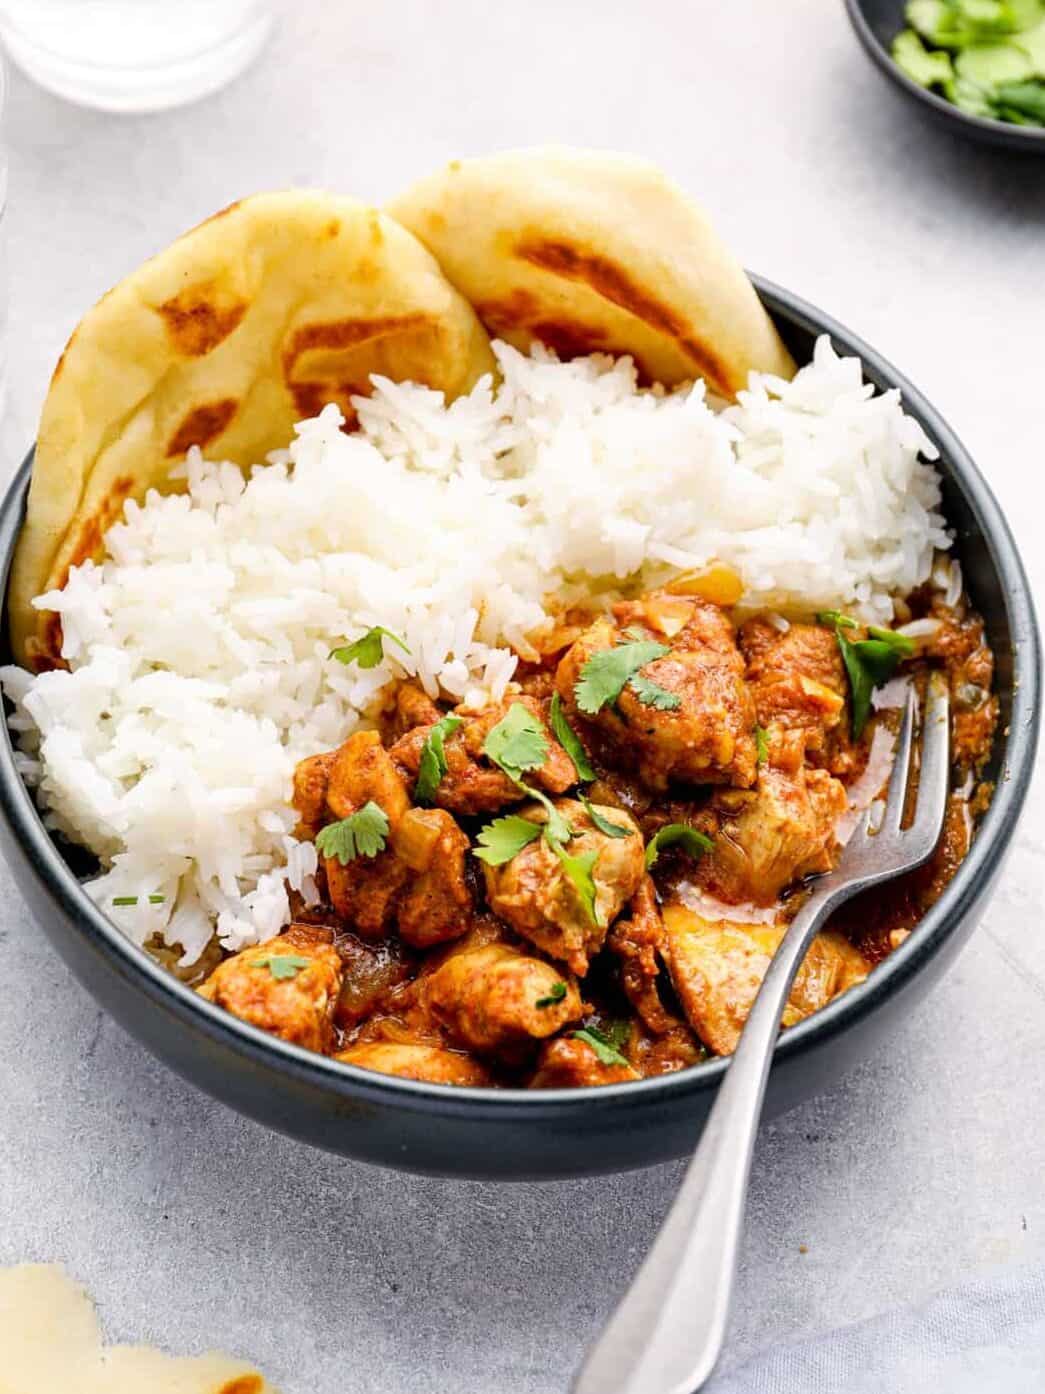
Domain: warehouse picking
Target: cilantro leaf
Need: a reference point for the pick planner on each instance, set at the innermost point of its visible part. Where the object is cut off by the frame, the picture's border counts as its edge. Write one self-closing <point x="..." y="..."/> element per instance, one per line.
<point x="369" y="649"/>
<point x="616" y="1032"/>
<point x="835" y="618"/>
<point x="903" y="645"/>
<point x="570" y="741"/>
<point x="433" y="758"/>
<point x="579" y="871"/>
<point x="691" y="840"/>
<point x="605" y="1050"/>
<point x="361" y="834"/>
<point x="133" y="899"/>
<point x="505" y="838"/>
<point x="604" y="675"/>
<point x="557" y="829"/>
<point x="868" y="662"/>
<point x="556" y="993"/>
<point x="603" y="824"/>
<point x="761" y="745"/>
<point x="282" y="966"/>
<point x="517" y="743"/>
<point x="651" y="694"/>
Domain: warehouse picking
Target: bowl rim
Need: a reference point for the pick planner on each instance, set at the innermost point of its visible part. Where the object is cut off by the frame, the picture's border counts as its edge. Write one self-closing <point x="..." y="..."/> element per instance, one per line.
<point x="994" y="833"/>
<point x="986" y="127"/>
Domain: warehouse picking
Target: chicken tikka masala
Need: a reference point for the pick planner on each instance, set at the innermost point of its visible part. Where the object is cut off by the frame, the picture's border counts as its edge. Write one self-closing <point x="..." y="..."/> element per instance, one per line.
<point x="584" y="882"/>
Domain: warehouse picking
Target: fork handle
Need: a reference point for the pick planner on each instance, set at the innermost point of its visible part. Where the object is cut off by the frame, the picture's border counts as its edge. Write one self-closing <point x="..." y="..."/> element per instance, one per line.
<point x="667" y="1332"/>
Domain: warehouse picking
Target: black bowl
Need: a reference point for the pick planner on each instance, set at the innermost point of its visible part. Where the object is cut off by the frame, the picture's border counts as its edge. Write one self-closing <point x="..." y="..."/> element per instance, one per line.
<point x="877" y="23"/>
<point x="519" y="1134"/>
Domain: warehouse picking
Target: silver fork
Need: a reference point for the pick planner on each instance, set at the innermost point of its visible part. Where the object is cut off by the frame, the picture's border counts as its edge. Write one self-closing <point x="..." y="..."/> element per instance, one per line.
<point x="667" y="1332"/>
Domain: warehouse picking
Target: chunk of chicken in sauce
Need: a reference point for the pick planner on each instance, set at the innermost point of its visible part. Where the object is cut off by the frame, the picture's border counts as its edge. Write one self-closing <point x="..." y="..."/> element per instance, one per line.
<point x="535" y="894"/>
<point x="288" y="986"/>
<point x="494" y="997"/>
<point x="706" y="735"/>
<point x="798" y="682"/>
<point x="472" y="784"/>
<point x="568" y="1063"/>
<point x="418" y="882"/>
<point x="425" y="1063"/>
<point x="717" y="968"/>
<point x="770" y="837"/>
<point x="638" y="943"/>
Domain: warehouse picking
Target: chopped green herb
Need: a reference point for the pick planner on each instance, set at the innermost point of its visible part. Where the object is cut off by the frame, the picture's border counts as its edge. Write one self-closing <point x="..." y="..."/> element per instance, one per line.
<point x="433" y="759"/>
<point x="651" y="694"/>
<point x="579" y="870"/>
<point x="836" y="618"/>
<point x="505" y="838"/>
<point x="133" y="899"/>
<point x="761" y="745"/>
<point x="362" y="834"/>
<point x="605" y="674"/>
<point x="868" y="662"/>
<point x="691" y="840"/>
<point x="604" y="825"/>
<point x="570" y="741"/>
<point x="556" y="993"/>
<point x="368" y="650"/>
<point x="557" y="829"/>
<point x="913" y="58"/>
<point x="517" y="743"/>
<point x="282" y="966"/>
<point x="1022" y="103"/>
<point x="606" y="1051"/>
<point x="617" y="1032"/>
<point x="986" y="56"/>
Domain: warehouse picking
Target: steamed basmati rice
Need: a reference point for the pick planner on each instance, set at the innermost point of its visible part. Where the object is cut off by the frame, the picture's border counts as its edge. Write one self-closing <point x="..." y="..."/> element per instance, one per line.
<point x="199" y="649"/>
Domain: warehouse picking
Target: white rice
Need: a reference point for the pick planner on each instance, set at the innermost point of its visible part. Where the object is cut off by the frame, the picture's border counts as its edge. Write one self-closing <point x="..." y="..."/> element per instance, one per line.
<point x="198" y="650"/>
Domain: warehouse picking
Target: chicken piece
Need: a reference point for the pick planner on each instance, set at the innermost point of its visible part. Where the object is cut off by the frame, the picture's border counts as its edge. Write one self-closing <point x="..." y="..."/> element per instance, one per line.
<point x="437" y="904"/>
<point x="493" y="997"/>
<point x="708" y="738"/>
<point x="362" y="771"/>
<point x="472" y="784"/>
<point x="413" y="707"/>
<point x="767" y="838"/>
<point x="798" y="682"/>
<point x="370" y="971"/>
<point x="717" y="968"/>
<point x="363" y="891"/>
<point x="536" y="896"/>
<point x="638" y="943"/>
<point x="429" y="1064"/>
<point x="311" y="777"/>
<point x="567" y="1063"/>
<point x="298" y="1007"/>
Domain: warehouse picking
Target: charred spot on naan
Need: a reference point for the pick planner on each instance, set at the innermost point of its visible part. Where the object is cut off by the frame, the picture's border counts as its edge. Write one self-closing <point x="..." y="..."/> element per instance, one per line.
<point x="243" y="1384"/>
<point x="332" y="361"/>
<point x="198" y="319"/>
<point x="203" y="425"/>
<point x="610" y="281"/>
<point x="44" y="650"/>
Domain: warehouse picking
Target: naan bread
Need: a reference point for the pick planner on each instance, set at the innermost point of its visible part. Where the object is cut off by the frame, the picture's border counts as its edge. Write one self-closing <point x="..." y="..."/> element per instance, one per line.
<point x="51" y="1344"/>
<point x="250" y="322"/>
<point x="595" y="252"/>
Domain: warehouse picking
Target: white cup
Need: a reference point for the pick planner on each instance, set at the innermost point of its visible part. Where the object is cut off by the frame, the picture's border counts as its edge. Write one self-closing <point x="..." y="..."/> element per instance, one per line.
<point x="133" y="55"/>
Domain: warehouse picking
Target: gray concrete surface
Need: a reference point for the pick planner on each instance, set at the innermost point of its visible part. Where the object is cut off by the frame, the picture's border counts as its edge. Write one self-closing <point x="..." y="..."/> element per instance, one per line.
<point x="192" y="1225"/>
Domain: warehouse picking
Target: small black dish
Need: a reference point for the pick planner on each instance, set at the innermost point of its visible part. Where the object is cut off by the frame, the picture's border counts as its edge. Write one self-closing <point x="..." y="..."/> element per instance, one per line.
<point x="517" y="1134"/>
<point x="877" y="23"/>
